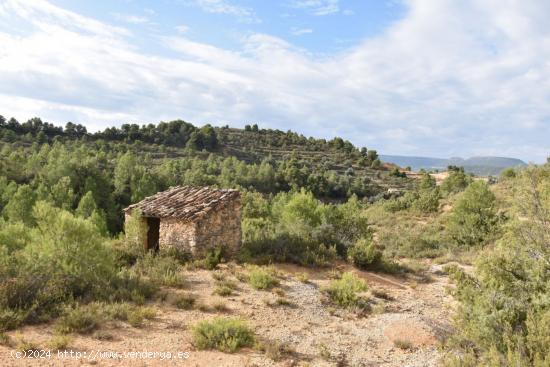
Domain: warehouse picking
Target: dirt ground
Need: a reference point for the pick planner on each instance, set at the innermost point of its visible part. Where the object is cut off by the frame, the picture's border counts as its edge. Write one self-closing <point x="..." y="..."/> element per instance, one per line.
<point x="407" y="321"/>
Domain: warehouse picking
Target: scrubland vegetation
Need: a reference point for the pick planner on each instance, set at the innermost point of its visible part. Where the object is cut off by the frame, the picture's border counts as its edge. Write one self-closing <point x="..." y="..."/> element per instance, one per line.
<point x="64" y="259"/>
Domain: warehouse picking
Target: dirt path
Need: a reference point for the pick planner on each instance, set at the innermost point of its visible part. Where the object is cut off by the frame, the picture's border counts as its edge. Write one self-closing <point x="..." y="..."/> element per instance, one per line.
<point x="315" y="334"/>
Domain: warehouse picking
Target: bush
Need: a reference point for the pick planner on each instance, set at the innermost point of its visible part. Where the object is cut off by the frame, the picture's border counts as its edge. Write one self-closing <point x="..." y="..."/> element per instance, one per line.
<point x="223" y="290"/>
<point x="185" y="302"/>
<point x="81" y="319"/>
<point x="365" y="255"/>
<point x="11" y="319"/>
<point x="225" y="287"/>
<point x="457" y="181"/>
<point x="401" y="203"/>
<point x="211" y="259"/>
<point x="474" y="219"/>
<point x="508" y="173"/>
<point x="503" y="313"/>
<point x="59" y="342"/>
<point x="424" y="198"/>
<point x="262" y="278"/>
<point x="296" y="227"/>
<point x="403" y="344"/>
<point x="413" y="240"/>
<point x="162" y="271"/>
<point x="226" y="335"/>
<point x="427" y="201"/>
<point x="5" y="339"/>
<point x="344" y="291"/>
<point x="14" y="236"/>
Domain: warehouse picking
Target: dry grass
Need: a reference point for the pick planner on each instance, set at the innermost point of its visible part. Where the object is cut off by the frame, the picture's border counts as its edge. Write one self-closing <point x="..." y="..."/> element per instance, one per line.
<point x="403" y="344"/>
<point x="185" y="301"/>
<point x="60" y="342"/>
<point x="5" y="339"/>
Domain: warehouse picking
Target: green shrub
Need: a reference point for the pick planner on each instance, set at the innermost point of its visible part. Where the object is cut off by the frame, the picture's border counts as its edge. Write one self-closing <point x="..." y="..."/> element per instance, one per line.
<point x="28" y="346"/>
<point x="14" y="236"/>
<point x="59" y="342"/>
<point x="11" y="319"/>
<point x="185" y="302"/>
<point x="456" y="182"/>
<point x="296" y="227"/>
<point x="262" y="277"/>
<point x="81" y="319"/>
<point x="182" y="256"/>
<point x="474" y="219"/>
<point x="424" y="198"/>
<point x="162" y="271"/>
<point x="211" y="259"/>
<point x="365" y="255"/>
<point x="118" y="311"/>
<point x="401" y="203"/>
<point x="226" y="335"/>
<point x="344" y="291"/>
<point x="503" y="313"/>
<point x="508" y="173"/>
<point x="131" y="285"/>
<point x="135" y="228"/>
<point x="427" y="201"/>
<point x="222" y="290"/>
<point x="135" y="319"/>
<point x="5" y="339"/>
<point x="68" y="245"/>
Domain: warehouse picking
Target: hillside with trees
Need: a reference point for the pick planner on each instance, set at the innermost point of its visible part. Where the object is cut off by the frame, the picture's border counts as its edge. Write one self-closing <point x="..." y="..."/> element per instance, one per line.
<point x="147" y="158"/>
<point x="330" y="272"/>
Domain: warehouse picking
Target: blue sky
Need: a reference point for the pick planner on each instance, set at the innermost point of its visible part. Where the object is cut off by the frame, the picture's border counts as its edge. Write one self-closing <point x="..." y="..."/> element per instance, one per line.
<point x="322" y="27"/>
<point x="413" y="77"/>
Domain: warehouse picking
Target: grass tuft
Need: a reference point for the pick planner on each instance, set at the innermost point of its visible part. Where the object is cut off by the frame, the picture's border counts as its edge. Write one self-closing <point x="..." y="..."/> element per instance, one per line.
<point x="344" y="291"/>
<point x="262" y="277"/>
<point x="224" y="334"/>
<point x="403" y="344"/>
<point x="82" y="319"/>
<point x="185" y="302"/>
<point x="60" y="342"/>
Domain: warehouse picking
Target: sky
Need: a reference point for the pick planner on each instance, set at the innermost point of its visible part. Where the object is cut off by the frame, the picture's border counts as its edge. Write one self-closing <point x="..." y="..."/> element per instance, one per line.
<point x="438" y="78"/>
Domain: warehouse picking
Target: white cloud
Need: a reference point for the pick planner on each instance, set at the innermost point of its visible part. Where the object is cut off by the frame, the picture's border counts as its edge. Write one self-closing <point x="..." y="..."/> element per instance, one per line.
<point x="300" y="31"/>
<point x="318" y="7"/>
<point x="182" y="28"/>
<point x="130" y="18"/>
<point x="242" y="13"/>
<point x="450" y="78"/>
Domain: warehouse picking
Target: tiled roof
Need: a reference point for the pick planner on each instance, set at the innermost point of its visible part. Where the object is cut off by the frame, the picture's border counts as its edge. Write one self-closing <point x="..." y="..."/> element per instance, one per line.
<point x="184" y="202"/>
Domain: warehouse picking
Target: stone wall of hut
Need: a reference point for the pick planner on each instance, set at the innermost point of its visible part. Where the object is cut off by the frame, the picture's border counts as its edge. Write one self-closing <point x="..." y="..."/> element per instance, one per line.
<point x="221" y="227"/>
<point x="177" y="233"/>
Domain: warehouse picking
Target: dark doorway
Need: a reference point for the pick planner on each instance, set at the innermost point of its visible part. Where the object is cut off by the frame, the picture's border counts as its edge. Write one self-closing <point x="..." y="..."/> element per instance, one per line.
<point x="153" y="233"/>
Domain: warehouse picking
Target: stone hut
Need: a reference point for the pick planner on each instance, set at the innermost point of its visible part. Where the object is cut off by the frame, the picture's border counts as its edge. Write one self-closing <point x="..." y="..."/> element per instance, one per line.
<point x="192" y="219"/>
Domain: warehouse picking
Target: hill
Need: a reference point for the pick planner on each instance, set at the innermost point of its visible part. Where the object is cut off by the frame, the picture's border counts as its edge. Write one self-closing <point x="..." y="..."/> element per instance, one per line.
<point x="480" y="166"/>
<point x="332" y="169"/>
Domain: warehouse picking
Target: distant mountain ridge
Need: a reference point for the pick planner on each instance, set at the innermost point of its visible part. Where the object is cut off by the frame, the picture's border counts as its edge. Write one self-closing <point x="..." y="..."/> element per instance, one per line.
<point x="481" y="165"/>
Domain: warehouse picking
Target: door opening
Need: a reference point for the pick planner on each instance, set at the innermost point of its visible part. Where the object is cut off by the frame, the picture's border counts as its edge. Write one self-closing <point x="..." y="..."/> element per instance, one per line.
<point x="153" y="225"/>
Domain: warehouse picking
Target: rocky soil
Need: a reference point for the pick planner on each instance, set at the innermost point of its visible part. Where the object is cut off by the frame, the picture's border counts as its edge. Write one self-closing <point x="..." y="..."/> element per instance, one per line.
<point x="409" y="318"/>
